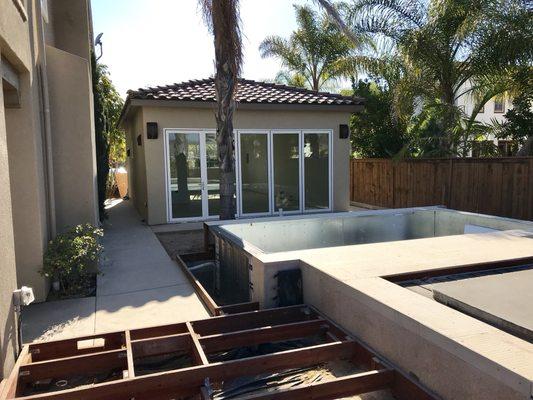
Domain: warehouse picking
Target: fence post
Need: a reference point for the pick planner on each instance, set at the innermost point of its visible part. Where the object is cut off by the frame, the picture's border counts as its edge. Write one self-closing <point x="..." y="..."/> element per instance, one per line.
<point x="450" y="184"/>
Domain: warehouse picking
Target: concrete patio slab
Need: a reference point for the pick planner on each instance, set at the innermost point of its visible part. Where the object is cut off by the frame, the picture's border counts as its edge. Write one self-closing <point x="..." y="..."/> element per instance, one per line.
<point x="58" y="319"/>
<point x="142" y="308"/>
<point x="139" y="286"/>
<point x="124" y="278"/>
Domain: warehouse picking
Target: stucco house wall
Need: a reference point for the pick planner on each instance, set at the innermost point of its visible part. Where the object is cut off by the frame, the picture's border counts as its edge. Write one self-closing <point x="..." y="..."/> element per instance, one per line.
<point x="50" y="89"/>
<point x="279" y="117"/>
<point x="136" y="164"/>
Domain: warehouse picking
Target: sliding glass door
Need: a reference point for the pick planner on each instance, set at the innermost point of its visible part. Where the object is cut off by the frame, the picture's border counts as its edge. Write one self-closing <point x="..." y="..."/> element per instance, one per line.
<point x="282" y="172"/>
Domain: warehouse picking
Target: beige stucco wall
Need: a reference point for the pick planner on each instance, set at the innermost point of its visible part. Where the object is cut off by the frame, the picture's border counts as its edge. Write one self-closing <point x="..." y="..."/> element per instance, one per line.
<point x="73" y="138"/>
<point x="204" y="118"/>
<point x="136" y="164"/>
<point x="8" y="280"/>
<point x="27" y="186"/>
<point x="33" y="204"/>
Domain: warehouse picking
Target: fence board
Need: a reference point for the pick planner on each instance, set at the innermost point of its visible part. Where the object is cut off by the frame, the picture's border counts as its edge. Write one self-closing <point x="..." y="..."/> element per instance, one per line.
<point x="497" y="186"/>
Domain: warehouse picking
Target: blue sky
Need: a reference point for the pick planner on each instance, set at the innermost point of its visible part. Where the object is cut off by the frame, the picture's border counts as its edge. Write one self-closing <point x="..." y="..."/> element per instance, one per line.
<point x="158" y="42"/>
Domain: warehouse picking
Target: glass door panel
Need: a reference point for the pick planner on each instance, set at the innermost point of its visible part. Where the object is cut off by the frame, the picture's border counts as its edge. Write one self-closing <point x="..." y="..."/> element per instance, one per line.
<point x="286" y="171"/>
<point x="254" y="188"/>
<point x="185" y="175"/>
<point x="213" y="175"/>
<point x="316" y="170"/>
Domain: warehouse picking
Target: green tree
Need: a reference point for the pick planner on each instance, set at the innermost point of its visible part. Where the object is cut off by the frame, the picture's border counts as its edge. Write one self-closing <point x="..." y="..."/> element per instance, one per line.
<point x="112" y="105"/>
<point x="375" y="133"/>
<point x="310" y="54"/>
<point x="452" y="48"/>
<point x="102" y="156"/>
<point x="222" y="18"/>
<point x="110" y="140"/>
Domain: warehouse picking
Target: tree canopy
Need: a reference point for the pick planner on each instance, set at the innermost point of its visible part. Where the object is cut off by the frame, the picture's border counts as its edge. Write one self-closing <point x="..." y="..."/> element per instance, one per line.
<point x="309" y="56"/>
<point x="439" y="51"/>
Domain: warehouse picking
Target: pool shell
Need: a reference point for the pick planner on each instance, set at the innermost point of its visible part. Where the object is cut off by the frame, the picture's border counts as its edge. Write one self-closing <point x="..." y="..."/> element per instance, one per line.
<point x="242" y="246"/>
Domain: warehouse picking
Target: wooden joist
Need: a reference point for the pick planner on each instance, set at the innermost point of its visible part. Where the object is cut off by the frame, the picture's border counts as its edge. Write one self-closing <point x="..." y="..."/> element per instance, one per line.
<point x="200" y="339"/>
<point x="78" y="365"/>
<point x="350" y="385"/>
<point x="176" y="381"/>
<point x="197" y="351"/>
<point x="238" y="308"/>
<point x="253" y="319"/>
<point x="78" y="346"/>
<point x="296" y="330"/>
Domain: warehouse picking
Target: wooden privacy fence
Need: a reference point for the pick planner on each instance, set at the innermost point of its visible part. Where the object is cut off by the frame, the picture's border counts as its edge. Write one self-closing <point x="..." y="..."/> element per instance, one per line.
<point x="496" y="186"/>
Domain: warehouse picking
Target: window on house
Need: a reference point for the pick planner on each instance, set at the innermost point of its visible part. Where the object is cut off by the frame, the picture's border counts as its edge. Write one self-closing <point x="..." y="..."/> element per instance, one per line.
<point x="507" y="148"/>
<point x="499" y="105"/>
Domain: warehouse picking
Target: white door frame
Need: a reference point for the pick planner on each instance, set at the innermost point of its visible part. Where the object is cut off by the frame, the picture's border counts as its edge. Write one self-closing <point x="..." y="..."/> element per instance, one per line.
<point x="203" y="174"/>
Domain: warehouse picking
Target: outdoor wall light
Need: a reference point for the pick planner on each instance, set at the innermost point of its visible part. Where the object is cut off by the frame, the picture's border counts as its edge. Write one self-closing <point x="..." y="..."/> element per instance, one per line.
<point x="344" y="131"/>
<point x="151" y="130"/>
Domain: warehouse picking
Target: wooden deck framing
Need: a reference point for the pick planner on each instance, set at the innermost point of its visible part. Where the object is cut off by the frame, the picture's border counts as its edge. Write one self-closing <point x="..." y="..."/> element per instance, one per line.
<point x="118" y="357"/>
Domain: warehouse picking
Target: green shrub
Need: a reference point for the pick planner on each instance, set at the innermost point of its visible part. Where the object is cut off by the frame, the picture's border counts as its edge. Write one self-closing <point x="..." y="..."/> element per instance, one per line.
<point x="71" y="258"/>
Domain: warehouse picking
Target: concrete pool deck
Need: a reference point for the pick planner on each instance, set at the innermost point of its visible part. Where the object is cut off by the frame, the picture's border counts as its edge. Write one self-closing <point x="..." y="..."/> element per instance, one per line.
<point x="437" y="344"/>
<point x="140" y="286"/>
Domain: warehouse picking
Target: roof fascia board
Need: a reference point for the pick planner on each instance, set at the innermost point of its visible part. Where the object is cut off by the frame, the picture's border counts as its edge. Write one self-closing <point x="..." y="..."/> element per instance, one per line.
<point x="248" y="106"/>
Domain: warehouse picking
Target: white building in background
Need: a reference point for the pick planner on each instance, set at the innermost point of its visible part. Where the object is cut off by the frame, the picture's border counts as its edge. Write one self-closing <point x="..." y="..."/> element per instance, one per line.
<point x="494" y="110"/>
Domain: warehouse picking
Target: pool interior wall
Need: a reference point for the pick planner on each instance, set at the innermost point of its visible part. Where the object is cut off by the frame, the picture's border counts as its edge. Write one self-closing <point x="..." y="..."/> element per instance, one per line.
<point x="343" y="229"/>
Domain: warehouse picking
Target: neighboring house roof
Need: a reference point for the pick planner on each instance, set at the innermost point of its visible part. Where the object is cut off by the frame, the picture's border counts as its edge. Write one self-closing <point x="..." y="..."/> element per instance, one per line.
<point x="248" y="91"/>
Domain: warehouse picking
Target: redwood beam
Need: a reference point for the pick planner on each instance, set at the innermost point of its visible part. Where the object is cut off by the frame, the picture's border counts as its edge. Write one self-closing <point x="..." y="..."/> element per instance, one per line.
<point x="253" y="319"/>
<point x="197" y="351"/>
<point x="297" y="330"/>
<point x="77" y="365"/>
<point x="177" y="382"/>
<point x="71" y="347"/>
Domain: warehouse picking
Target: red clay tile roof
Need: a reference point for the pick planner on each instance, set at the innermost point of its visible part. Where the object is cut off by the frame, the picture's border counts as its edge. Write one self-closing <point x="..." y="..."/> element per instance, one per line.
<point x="248" y="91"/>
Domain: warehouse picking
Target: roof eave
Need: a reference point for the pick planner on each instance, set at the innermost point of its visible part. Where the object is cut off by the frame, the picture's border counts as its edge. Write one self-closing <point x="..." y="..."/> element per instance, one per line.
<point x="245" y="106"/>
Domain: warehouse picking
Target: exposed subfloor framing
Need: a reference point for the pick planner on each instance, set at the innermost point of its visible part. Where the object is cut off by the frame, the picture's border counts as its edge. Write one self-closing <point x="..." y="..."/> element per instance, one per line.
<point x="200" y="359"/>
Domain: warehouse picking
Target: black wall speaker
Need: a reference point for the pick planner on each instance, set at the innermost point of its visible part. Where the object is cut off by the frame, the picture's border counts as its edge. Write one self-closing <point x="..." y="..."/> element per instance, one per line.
<point x="344" y="131"/>
<point x="151" y="130"/>
<point x="139" y="140"/>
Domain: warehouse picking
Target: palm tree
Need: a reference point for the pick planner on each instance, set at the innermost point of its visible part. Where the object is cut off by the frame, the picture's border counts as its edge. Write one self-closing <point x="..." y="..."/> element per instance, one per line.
<point x="311" y="52"/>
<point x="222" y="18"/>
<point x="453" y="48"/>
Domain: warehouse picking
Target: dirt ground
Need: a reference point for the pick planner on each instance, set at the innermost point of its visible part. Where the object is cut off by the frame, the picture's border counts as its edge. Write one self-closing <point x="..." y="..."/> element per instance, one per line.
<point x="182" y="242"/>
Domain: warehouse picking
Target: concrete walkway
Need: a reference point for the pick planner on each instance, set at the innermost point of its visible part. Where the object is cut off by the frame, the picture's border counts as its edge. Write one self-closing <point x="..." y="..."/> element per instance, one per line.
<point x="139" y="286"/>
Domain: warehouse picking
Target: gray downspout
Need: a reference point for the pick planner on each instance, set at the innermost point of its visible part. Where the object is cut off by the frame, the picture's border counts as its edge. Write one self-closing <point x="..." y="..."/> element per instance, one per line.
<point x="47" y="131"/>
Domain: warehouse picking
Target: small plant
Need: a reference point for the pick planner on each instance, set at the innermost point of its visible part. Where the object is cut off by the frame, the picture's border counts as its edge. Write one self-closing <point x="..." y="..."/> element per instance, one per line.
<point x="71" y="258"/>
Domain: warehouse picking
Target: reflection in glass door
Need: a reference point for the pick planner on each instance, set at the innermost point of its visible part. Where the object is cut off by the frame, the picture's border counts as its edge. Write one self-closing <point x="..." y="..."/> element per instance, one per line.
<point x="254" y="183"/>
<point x="212" y="175"/>
<point x="316" y="170"/>
<point x="185" y="175"/>
<point x="286" y="171"/>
